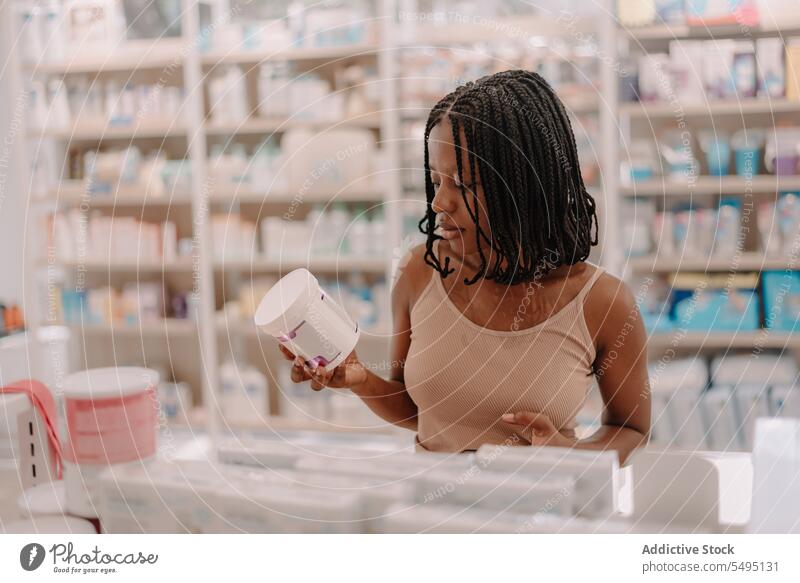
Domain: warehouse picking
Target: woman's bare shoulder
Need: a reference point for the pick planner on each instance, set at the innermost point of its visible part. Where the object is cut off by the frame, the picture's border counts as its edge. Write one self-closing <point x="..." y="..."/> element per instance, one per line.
<point x="609" y="303"/>
<point x="411" y="276"/>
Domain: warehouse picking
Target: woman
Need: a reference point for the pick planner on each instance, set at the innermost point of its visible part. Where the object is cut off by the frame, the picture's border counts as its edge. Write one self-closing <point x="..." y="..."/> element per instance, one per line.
<point x="500" y="323"/>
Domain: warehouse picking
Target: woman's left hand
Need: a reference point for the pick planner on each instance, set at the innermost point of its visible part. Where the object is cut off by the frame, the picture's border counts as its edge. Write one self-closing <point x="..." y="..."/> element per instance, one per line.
<point x="539" y="429"/>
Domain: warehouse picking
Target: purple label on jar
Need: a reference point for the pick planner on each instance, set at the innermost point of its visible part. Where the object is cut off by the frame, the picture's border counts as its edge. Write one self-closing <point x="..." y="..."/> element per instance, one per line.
<point x="291" y="334"/>
<point x="321" y="361"/>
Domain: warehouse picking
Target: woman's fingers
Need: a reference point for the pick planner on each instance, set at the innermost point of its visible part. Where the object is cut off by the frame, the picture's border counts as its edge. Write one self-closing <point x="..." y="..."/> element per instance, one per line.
<point x="319" y="377"/>
<point x="287" y="354"/>
<point x="322" y="376"/>
<point x="299" y="373"/>
<point x="539" y="429"/>
<point x="540" y="424"/>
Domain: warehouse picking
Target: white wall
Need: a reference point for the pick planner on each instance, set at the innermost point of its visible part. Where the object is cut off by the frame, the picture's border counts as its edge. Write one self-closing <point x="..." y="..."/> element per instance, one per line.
<point x="12" y="197"/>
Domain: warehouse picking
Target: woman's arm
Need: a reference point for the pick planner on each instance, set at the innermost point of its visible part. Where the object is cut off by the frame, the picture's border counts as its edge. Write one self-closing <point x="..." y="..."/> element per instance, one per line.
<point x="389" y="399"/>
<point x="620" y="367"/>
<point x="615" y="323"/>
<point x="386" y="398"/>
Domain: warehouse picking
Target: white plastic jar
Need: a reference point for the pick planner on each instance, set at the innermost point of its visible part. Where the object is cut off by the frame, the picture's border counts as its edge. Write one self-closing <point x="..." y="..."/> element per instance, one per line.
<point x="301" y="316"/>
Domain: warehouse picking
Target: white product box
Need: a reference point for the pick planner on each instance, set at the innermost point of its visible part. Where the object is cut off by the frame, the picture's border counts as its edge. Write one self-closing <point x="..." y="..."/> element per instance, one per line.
<point x="752" y="402"/>
<point x="655" y="81"/>
<point x="277" y="454"/>
<point x="686" y="69"/>
<point x="210" y="498"/>
<point x="785" y="401"/>
<point x="323" y="163"/>
<point x="720" y="415"/>
<point x="24" y="440"/>
<point x="754" y="369"/>
<point x="498" y="491"/>
<point x="376" y="496"/>
<point x="718" y="70"/>
<point x="688" y="427"/>
<point x="776" y="466"/>
<point x="770" y="54"/>
<point x="596" y="473"/>
<point x="450" y="519"/>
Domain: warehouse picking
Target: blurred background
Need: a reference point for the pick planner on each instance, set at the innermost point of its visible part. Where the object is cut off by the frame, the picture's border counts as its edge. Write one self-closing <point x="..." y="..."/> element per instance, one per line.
<point x="163" y="163"/>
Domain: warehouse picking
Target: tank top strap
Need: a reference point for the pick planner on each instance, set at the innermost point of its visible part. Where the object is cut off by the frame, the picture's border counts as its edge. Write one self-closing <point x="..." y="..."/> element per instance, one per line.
<point x="431" y="285"/>
<point x="598" y="271"/>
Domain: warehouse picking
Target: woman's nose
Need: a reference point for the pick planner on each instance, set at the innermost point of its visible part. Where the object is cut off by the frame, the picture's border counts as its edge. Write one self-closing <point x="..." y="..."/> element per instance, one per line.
<point x="445" y="200"/>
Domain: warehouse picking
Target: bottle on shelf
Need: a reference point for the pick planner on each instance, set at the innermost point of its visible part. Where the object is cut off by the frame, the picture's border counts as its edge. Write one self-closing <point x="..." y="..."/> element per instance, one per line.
<point x="338" y="221"/>
<point x="359" y="233"/>
<point x="243" y="397"/>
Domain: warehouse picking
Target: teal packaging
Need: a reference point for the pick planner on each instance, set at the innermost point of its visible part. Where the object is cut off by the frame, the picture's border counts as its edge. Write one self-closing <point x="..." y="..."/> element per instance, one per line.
<point x="781" y="294"/>
<point x="702" y="303"/>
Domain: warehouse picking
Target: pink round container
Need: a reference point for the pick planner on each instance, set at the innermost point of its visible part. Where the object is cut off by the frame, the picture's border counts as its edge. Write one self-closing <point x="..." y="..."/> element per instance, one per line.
<point x="111" y="415"/>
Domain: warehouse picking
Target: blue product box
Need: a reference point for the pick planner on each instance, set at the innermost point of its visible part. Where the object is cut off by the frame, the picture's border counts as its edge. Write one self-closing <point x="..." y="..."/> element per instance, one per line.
<point x="781" y="296"/>
<point x="74" y="306"/>
<point x="655" y="323"/>
<point x="702" y="303"/>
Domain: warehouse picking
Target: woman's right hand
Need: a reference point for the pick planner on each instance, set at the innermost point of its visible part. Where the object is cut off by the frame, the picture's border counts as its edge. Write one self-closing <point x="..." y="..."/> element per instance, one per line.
<point x="348" y="375"/>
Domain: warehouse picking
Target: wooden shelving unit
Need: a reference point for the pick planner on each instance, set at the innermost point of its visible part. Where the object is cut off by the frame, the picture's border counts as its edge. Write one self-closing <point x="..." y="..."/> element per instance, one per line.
<point x="712" y="185"/>
<point x="645" y="119"/>
<point x="201" y="344"/>
<point x="266" y="126"/>
<point x="724" y="340"/>
<point x="740" y="262"/>
<point x="331" y="265"/>
<point x="651" y="110"/>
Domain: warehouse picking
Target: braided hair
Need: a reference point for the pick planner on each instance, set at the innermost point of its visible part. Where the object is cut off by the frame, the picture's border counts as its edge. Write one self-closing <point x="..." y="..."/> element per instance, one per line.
<point x="520" y="139"/>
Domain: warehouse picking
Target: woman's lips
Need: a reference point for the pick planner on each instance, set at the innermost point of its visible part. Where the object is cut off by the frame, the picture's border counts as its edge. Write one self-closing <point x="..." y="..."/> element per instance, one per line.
<point x="449" y="232"/>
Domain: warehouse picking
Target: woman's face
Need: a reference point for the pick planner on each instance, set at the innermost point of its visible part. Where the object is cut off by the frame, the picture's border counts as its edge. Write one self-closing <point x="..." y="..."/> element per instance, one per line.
<point x="452" y="217"/>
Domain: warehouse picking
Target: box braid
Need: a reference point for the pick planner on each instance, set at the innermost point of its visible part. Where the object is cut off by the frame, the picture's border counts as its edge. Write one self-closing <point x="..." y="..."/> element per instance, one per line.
<point x="519" y="137"/>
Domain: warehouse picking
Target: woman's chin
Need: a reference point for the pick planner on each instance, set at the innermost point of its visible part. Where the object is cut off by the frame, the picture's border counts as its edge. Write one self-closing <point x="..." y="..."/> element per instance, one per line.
<point x="459" y="246"/>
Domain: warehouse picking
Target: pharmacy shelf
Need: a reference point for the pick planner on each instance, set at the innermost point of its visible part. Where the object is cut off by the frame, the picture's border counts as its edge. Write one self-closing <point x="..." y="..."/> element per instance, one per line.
<point x="284" y="423"/>
<point x="653" y="110"/>
<point x="236" y="326"/>
<point x="723" y="340"/>
<point x="169" y="327"/>
<point x="470" y="30"/>
<point x="742" y="262"/>
<point x="711" y="185"/>
<point x="113" y="265"/>
<point x="101" y="130"/>
<point x="257" y="125"/>
<point x="333" y="53"/>
<point x="317" y="264"/>
<point x="198" y="418"/>
<point x="248" y="329"/>
<point x="74" y="193"/>
<point x="245" y="195"/>
<point x="575" y="104"/>
<point x="789" y="25"/>
<point x="134" y="55"/>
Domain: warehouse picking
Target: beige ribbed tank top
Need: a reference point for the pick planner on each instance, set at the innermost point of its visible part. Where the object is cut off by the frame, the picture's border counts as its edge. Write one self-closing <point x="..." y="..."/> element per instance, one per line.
<point x="464" y="377"/>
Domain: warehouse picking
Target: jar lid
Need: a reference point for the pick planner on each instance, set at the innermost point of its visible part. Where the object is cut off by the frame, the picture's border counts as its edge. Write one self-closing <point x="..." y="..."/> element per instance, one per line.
<point x="285" y="304"/>
<point x="99" y="383"/>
